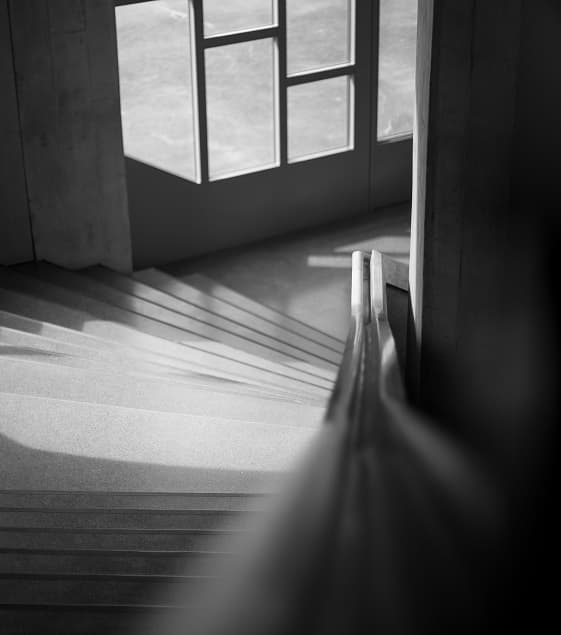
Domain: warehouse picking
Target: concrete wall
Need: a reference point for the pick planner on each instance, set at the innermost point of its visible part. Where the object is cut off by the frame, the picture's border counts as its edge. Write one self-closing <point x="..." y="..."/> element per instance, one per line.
<point x="67" y="83"/>
<point x="486" y="187"/>
<point x="465" y="116"/>
<point x="486" y="195"/>
<point x="15" y="232"/>
<point x="536" y="181"/>
<point x="484" y="330"/>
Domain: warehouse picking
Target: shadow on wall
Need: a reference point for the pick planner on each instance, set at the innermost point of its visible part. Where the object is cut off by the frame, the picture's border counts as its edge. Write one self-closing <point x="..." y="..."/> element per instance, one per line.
<point x="172" y="218"/>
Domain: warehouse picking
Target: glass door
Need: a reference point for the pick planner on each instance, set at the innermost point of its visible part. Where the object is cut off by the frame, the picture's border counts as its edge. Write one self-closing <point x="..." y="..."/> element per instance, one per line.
<point x="246" y="118"/>
<point x="393" y="100"/>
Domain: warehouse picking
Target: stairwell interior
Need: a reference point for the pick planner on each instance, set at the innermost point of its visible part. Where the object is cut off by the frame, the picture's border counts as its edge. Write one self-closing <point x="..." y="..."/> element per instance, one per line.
<point x="148" y="419"/>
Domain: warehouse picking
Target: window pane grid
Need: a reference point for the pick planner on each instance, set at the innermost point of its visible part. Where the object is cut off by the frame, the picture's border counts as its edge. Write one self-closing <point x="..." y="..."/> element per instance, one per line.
<point x="229" y="17"/>
<point x="320" y="118"/>
<point x="275" y="30"/>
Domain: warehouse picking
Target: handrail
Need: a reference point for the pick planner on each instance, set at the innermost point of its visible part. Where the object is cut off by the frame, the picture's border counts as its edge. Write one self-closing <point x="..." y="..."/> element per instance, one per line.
<point x="348" y="378"/>
<point x="384" y="524"/>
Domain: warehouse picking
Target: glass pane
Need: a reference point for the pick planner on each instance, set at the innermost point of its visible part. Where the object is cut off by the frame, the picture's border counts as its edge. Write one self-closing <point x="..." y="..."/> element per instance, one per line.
<point x="240" y="89"/>
<point x="155" y="82"/>
<point x="396" y="81"/>
<point x="320" y="118"/>
<point x="228" y="16"/>
<point x="319" y="34"/>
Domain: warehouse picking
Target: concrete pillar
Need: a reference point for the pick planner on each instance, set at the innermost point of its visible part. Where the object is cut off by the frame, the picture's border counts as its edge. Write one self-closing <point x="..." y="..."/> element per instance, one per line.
<point x="68" y="92"/>
<point x="466" y="96"/>
<point x="484" y="327"/>
<point x="15" y="232"/>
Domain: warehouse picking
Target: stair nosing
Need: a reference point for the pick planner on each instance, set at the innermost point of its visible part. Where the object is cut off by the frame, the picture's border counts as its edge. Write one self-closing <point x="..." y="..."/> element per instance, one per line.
<point x="123" y="510"/>
<point x="123" y="577"/>
<point x="119" y="530"/>
<point x="94" y="606"/>
<point x="94" y="492"/>
<point x="64" y="551"/>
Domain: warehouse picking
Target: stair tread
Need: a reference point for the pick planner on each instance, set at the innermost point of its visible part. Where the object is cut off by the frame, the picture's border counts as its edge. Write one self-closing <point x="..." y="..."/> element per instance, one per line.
<point x="105" y="355"/>
<point x="119" y="389"/>
<point x="111" y="303"/>
<point x="37" y="351"/>
<point x="211" y="287"/>
<point x="127" y="500"/>
<point x="77" y="619"/>
<point x="169" y="539"/>
<point x="61" y="307"/>
<point x="136" y="562"/>
<point x="57" y="444"/>
<point x="230" y="323"/>
<point x="193" y="293"/>
<point x="96" y="588"/>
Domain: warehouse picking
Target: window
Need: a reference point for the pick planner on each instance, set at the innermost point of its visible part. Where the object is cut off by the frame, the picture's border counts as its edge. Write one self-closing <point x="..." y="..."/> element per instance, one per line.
<point x="213" y="89"/>
<point x="248" y="118"/>
<point x="396" y="67"/>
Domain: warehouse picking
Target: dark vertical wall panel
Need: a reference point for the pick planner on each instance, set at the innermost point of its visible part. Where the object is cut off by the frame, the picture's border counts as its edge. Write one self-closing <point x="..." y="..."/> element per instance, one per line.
<point x="15" y="233"/>
<point x="466" y="113"/>
<point x="66" y="65"/>
<point x="537" y="183"/>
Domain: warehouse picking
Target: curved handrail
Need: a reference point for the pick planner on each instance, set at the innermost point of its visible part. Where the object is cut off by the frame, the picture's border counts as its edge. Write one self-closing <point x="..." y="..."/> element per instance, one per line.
<point x="384" y="523"/>
<point x="349" y="376"/>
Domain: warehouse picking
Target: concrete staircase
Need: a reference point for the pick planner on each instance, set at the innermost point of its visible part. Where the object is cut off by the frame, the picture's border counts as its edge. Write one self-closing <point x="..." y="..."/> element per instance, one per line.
<point x="146" y="421"/>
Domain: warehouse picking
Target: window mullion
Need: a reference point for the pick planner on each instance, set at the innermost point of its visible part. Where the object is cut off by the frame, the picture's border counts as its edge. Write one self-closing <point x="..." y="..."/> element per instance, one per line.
<point x="282" y="83"/>
<point x="199" y="81"/>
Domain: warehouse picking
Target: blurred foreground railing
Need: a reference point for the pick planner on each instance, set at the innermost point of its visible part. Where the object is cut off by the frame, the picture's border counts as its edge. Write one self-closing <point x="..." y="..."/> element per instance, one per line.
<point x="389" y="529"/>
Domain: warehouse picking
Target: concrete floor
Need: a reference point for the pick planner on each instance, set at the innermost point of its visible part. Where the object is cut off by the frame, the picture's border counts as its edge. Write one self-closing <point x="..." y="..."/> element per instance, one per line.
<point x="307" y="275"/>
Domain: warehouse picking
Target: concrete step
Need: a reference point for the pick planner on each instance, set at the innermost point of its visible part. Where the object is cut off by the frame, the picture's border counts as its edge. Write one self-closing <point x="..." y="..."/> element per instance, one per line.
<point x="217" y="290"/>
<point x="112" y="561"/>
<point x="159" y="320"/>
<point x="35" y="349"/>
<point x="29" y="311"/>
<point x="142" y="539"/>
<point x="18" y="329"/>
<point x="277" y="348"/>
<point x="105" y="356"/>
<point x="46" y="499"/>
<point x="97" y="588"/>
<point x="19" y="294"/>
<point x="179" y="288"/>
<point x="118" y="389"/>
<point x="76" y="619"/>
<point x="65" y="445"/>
<point x="16" y="345"/>
<point x="37" y="334"/>
<point x="84" y="518"/>
<point x="30" y="355"/>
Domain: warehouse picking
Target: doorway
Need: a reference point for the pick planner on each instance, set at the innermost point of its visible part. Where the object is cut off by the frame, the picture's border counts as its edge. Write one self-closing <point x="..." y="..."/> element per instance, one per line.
<point x="251" y="118"/>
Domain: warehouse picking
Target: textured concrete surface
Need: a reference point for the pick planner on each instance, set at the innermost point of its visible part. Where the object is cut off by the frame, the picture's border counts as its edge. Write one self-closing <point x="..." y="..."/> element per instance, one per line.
<point x="287" y="275"/>
<point x="178" y="296"/>
<point x="119" y="389"/>
<point x="111" y="323"/>
<point x="65" y="347"/>
<point x="73" y="445"/>
<point x="137" y="306"/>
<point x="205" y="292"/>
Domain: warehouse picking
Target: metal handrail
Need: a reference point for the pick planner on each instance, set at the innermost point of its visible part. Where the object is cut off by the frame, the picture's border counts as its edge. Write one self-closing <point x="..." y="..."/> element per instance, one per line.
<point x="380" y="533"/>
<point x="349" y="377"/>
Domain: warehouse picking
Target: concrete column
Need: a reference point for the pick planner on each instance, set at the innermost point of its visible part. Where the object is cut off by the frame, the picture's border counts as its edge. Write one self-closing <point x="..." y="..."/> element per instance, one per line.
<point x="468" y="54"/>
<point x="15" y="232"/>
<point x="68" y="92"/>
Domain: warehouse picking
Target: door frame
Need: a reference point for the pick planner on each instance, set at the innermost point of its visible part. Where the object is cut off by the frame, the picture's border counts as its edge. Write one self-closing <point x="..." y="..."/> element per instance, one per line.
<point x="169" y="220"/>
